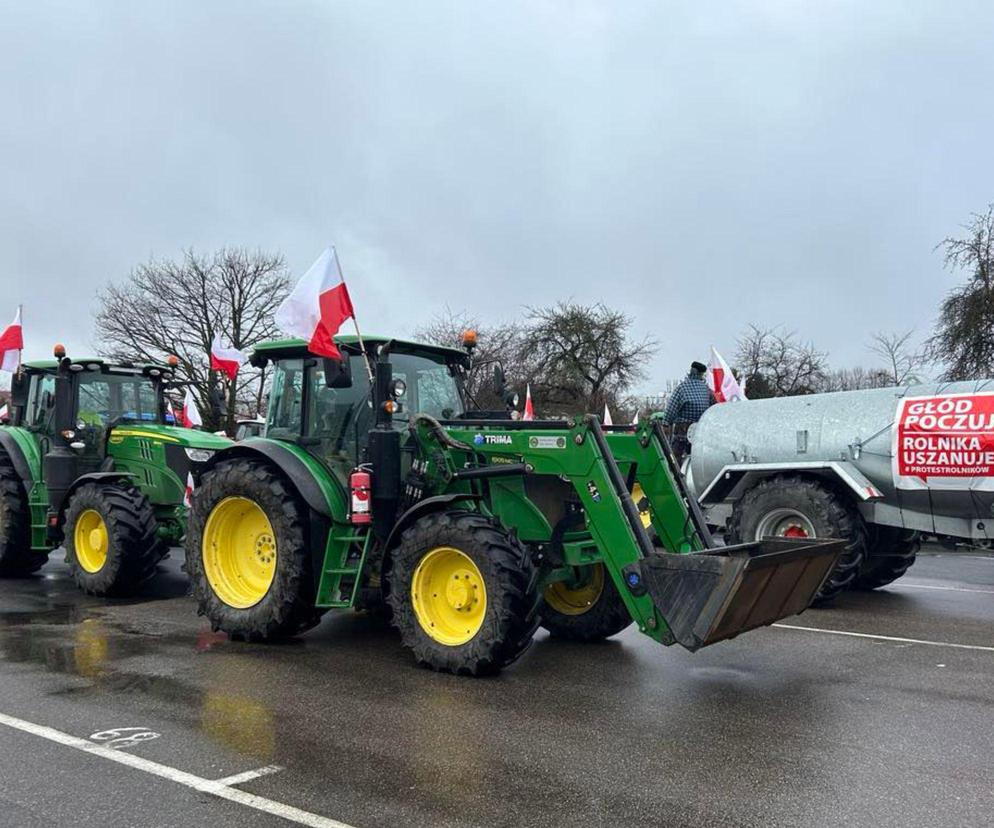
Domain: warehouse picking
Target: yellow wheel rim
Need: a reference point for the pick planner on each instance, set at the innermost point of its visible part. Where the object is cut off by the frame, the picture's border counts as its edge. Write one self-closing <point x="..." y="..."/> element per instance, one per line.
<point x="239" y="552"/>
<point x="91" y="541"/>
<point x="449" y="596"/>
<point x="637" y="495"/>
<point x="579" y="597"/>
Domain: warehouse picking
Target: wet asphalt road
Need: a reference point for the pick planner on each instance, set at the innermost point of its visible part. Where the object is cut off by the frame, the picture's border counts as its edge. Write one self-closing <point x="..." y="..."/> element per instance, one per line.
<point x="779" y="727"/>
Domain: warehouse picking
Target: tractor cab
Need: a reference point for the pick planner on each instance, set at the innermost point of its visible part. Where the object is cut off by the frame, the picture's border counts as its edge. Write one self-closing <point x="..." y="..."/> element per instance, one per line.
<point x="328" y="408"/>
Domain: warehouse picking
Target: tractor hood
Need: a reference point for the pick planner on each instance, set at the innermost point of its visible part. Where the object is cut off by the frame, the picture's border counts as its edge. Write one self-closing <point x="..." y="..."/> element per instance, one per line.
<point x="174" y="435"/>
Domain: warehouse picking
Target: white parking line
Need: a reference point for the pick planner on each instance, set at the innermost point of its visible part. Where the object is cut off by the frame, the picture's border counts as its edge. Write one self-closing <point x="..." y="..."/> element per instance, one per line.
<point x="218" y="787"/>
<point x="886" y="638"/>
<point x="248" y="776"/>
<point x="900" y="584"/>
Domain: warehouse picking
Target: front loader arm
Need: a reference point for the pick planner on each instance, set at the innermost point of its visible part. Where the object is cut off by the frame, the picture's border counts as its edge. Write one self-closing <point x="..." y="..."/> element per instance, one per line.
<point x="688" y="592"/>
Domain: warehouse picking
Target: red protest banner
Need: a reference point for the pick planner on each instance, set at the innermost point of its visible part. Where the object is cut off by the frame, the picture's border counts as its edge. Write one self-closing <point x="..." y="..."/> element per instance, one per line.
<point x="944" y="442"/>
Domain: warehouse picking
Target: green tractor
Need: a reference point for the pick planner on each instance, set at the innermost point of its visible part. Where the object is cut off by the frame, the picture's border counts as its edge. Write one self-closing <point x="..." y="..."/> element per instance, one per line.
<point x="472" y="528"/>
<point x="89" y="461"/>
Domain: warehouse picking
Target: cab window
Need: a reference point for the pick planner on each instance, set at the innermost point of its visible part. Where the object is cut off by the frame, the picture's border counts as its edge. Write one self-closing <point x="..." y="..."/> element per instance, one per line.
<point x="340" y="418"/>
<point x="284" y="416"/>
<point x="41" y="401"/>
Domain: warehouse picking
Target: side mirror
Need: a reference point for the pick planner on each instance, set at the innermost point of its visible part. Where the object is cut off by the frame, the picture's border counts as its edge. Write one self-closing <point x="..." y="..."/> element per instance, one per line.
<point x="338" y="374"/>
<point x="19" y="385"/>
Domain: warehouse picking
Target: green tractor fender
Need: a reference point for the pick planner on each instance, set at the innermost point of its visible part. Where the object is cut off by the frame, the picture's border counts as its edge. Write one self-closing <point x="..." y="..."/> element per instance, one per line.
<point x="82" y="480"/>
<point x="439" y="503"/>
<point x="23" y="455"/>
<point x="322" y="493"/>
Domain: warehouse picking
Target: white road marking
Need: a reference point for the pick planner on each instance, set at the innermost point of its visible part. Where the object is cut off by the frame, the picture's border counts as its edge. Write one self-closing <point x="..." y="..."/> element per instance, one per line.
<point x="887" y="638"/>
<point x="216" y="788"/>
<point x="248" y="776"/>
<point x="900" y="584"/>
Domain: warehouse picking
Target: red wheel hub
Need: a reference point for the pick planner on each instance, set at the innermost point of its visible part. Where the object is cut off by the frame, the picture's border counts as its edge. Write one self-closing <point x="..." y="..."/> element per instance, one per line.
<point x="794" y="532"/>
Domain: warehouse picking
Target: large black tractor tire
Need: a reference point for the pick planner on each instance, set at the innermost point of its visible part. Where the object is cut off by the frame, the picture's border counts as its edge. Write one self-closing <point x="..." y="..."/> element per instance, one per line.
<point x="17" y="559"/>
<point x="891" y="555"/>
<point x="463" y="594"/>
<point x="589" y="609"/>
<point x="111" y="543"/>
<point x="792" y="506"/>
<point x="247" y="553"/>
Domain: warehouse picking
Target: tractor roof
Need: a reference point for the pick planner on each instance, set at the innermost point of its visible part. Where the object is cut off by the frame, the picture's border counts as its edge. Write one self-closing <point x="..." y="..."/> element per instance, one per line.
<point x="105" y="364"/>
<point x="288" y="348"/>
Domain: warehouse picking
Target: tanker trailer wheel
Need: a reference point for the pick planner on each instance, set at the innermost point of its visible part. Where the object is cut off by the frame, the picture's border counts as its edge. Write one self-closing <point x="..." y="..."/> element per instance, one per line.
<point x="890" y="556"/>
<point x="585" y="608"/>
<point x="17" y="559"/>
<point x="112" y="546"/>
<point x="798" y="507"/>
<point x="247" y="554"/>
<point x="463" y="593"/>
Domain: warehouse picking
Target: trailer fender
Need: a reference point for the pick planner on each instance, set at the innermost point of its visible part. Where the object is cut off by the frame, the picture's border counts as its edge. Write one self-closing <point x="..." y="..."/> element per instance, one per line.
<point x="287" y="462"/>
<point x="425" y="507"/>
<point x="735" y="479"/>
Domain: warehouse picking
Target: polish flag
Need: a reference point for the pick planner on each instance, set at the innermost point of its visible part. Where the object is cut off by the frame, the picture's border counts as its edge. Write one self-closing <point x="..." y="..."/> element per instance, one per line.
<point x="189" y="414"/>
<point x="11" y="344"/>
<point x="607" y="416"/>
<point x="188" y="494"/>
<point x="529" y="410"/>
<point x="318" y="306"/>
<point x="722" y="381"/>
<point x="4" y="413"/>
<point x="224" y="359"/>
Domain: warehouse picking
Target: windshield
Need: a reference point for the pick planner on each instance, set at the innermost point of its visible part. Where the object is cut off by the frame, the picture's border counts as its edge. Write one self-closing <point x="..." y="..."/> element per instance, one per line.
<point x="431" y="388"/>
<point x="106" y="397"/>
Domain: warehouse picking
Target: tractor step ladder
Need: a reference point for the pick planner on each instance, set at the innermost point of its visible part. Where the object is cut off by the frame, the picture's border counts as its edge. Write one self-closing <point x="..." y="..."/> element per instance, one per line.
<point x="347" y="546"/>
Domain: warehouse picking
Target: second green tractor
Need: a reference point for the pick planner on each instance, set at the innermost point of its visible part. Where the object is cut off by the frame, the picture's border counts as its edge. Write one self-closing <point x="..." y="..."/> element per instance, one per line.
<point x="90" y="462"/>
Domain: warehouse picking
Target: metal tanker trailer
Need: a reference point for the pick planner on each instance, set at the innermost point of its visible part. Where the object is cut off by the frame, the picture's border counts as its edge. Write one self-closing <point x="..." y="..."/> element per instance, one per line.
<point x="877" y="467"/>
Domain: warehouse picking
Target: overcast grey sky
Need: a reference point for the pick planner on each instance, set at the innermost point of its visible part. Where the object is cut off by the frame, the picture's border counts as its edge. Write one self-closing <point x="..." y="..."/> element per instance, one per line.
<point x="700" y="165"/>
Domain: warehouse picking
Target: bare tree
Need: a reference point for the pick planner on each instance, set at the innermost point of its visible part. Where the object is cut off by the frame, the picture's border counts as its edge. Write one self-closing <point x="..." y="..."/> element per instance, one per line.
<point x="169" y="307"/>
<point x="576" y="358"/>
<point x="776" y="364"/>
<point x="902" y="362"/>
<point x="585" y="356"/>
<point x="963" y="337"/>
<point x="854" y="379"/>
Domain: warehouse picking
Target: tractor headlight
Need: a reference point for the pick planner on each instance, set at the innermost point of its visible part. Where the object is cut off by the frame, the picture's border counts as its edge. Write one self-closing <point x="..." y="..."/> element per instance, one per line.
<point x="199" y="455"/>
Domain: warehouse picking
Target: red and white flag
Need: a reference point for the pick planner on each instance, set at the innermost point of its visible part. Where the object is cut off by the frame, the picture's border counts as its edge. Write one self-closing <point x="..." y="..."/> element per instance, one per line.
<point x="225" y="359"/>
<point x="171" y="413"/>
<point x="4" y="413"/>
<point x="189" y="414"/>
<point x="529" y="409"/>
<point x="11" y="344"/>
<point x="722" y="381"/>
<point x="188" y="494"/>
<point x="607" y="416"/>
<point x="318" y="306"/>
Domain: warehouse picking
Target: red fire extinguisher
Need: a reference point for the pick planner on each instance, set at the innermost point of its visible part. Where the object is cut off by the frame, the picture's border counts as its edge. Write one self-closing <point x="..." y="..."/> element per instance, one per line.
<point x="359" y="489"/>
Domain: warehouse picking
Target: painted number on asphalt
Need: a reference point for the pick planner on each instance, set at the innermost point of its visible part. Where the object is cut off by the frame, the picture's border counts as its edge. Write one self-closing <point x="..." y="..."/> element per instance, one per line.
<point x="124" y="737"/>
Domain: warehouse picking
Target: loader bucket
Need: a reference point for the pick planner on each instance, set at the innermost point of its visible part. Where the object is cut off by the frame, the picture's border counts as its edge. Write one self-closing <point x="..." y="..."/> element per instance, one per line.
<point x="718" y="593"/>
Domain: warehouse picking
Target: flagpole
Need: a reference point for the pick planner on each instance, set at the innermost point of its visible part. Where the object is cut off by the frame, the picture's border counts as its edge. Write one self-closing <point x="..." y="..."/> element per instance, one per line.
<point x="20" y="351"/>
<point x="358" y="333"/>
